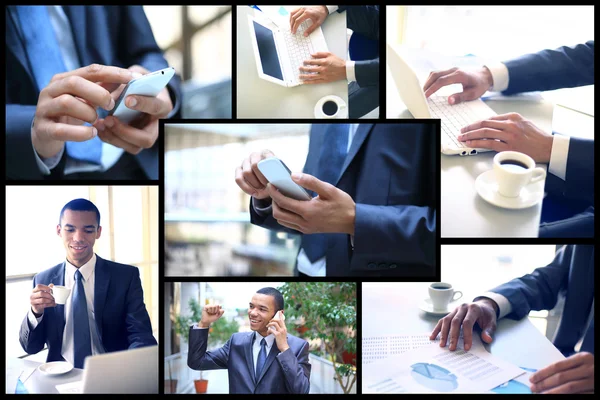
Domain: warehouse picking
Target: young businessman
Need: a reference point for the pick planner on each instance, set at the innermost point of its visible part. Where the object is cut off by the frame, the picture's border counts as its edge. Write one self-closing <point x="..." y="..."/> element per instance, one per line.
<point x="267" y="360"/>
<point x="105" y="310"/>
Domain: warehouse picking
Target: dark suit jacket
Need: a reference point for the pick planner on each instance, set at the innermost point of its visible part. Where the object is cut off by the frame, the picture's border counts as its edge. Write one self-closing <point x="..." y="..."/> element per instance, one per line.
<point x="391" y="174"/>
<point x="554" y="69"/>
<point x="111" y="35"/>
<point x="121" y="317"/>
<point x="365" y="21"/>
<point x="571" y="273"/>
<point x="287" y="372"/>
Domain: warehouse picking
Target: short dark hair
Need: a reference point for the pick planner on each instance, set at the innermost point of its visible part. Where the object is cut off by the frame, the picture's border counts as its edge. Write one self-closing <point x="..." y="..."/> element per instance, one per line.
<point x="269" y="291"/>
<point x="80" y="205"/>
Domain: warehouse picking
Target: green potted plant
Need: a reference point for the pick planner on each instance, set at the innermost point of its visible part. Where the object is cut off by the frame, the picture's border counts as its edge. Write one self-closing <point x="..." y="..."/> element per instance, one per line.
<point x="219" y="332"/>
<point x="326" y="311"/>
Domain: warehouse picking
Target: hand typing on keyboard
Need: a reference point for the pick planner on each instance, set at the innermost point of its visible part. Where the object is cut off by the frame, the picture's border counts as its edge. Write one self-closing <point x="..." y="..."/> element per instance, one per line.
<point x="475" y="83"/>
<point x="324" y="67"/>
<point x="316" y="14"/>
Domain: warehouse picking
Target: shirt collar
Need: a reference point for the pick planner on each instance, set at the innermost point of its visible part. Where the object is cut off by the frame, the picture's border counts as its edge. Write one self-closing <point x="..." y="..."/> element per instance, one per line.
<point x="86" y="269"/>
<point x="270" y="338"/>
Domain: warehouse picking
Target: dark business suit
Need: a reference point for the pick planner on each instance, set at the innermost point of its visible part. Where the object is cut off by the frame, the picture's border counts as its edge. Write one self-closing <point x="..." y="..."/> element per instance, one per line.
<point x="110" y="35"/>
<point x="121" y="317"/>
<point x="572" y="273"/>
<point x="564" y="67"/>
<point x="363" y="95"/>
<point x="287" y="372"/>
<point x="390" y="173"/>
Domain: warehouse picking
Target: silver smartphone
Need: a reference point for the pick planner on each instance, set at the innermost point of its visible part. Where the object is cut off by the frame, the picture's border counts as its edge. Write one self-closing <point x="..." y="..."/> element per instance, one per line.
<point x="278" y="174"/>
<point x="147" y="85"/>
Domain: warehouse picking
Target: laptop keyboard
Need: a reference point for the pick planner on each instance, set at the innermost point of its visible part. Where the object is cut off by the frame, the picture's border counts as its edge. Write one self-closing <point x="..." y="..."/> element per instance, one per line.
<point x="299" y="47"/>
<point x="453" y="117"/>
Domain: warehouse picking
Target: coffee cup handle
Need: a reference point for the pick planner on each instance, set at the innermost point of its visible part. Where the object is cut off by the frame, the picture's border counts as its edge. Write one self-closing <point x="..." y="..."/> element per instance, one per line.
<point x="538" y="175"/>
<point x="455" y="293"/>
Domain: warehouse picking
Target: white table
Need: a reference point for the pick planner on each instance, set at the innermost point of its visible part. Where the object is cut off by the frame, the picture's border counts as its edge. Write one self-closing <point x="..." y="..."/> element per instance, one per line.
<point x="463" y="212"/>
<point x="258" y="98"/>
<point x="393" y="308"/>
<point x="39" y="382"/>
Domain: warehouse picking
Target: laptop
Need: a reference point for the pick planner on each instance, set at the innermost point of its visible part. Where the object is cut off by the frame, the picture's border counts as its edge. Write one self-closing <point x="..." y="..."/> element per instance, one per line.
<point x="279" y="53"/>
<point x="127" y="371"/>
<point x="453" y="117"/>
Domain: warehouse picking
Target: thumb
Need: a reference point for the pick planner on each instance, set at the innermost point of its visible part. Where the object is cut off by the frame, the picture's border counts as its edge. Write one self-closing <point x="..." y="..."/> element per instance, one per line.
<point x="487" y="333"/>
<point x="311" y="183"/>
<point x="221" y="312"/>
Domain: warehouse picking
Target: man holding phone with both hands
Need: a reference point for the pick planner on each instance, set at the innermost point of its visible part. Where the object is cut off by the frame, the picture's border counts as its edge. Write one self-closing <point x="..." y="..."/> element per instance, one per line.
<point x="372" y="211"/>
<point x="266" y="360"/>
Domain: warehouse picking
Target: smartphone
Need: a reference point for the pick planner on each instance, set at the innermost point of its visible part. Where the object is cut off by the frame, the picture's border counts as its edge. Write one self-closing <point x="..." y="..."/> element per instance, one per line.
<point x="278" y="315"/>
<point x="148" y="85"/>
<point x="278" y="174"/>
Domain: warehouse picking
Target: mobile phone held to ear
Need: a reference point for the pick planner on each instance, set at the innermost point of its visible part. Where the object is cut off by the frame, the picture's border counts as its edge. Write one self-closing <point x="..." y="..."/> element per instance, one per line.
<point x="278" y="315"/>
<point x="147" y="85"/>
<point x="278" y="174"/>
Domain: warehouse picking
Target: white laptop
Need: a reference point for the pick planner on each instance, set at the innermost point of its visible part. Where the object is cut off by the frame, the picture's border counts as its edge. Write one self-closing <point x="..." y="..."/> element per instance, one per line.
<point x="279" y="53"/>
<point x="128" y="371"/>
<point x="453" y="117"/>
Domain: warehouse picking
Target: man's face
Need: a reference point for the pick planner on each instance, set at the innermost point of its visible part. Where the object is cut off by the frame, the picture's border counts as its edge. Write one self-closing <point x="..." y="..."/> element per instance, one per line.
<point x="78" y="231"/>
<point x="260" y="311"/>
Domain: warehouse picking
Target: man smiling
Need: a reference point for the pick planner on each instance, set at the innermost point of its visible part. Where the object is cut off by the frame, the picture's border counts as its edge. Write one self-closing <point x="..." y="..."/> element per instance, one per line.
<point x="266" y="360"/>
<point x="111" y="292"/>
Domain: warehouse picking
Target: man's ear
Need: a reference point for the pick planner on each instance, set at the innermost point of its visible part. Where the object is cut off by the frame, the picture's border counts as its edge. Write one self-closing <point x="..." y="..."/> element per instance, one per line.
<point x="99" y="232"/>
<point x="58" y="230"/>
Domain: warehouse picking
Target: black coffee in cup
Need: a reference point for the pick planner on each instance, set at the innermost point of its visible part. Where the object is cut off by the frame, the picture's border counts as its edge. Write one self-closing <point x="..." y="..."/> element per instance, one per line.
<point x="513" y="165"/>
<point x="434" y="286"/>
<point x="330" y="108"/>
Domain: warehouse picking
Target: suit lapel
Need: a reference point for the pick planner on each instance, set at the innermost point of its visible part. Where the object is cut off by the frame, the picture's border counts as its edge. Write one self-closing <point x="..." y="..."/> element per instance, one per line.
<point x="14" y="39"/>
<point x="249" y="342"/>
<point x="361" y="134"/>
<point x="270" y="358"/>
<point x="102" y="278"/>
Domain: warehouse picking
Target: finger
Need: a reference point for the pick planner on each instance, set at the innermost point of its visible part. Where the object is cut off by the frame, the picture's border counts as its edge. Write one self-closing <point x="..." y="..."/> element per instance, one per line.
<point x="321" y="54"/>
<point x="307" y="181"/>
<point x="310" y="78"/>
<point x="80" y="87"/>
<point x="487" y="335"/>
<point x="110" y="137"/>
<point x="149" y="105"/>
<point x="41" y="288"/>
<point x="287" y="203"/>
<point x="434" y="75"/>
<point x="486" y="123"/>
<point x="488" y="144"/>
<point x="300" y="18"/>
<point x="467" y="326"/>
<point x="249" y="176"/>
<point x="293" y="15"/>
<point x="449" y="79"/>
<point x="98" y="73"/>
<point x="42" y="301"/>
<point x="281" y="214"/>
<point x="67" y="132"/>
<point x="311" y="68"/>
<point x="509" y="116"/>
<point x="436" y="330"/>
<point x="67" y="105"/>
<point x="314" y="81"/>
<point x="562" y="365"/>
<point x="455" y="326"/>
<point x="579" y="386"/>
<point x="561" y="378"/>
<point x="318" y="61"/>
<point x="291" y="226"/>
<point x="255" y="158"/>
<point x="241" y="182"/>
<point x="446" y="327"/>
<point x="134" y="136"/>
<point x="485" y="133"/>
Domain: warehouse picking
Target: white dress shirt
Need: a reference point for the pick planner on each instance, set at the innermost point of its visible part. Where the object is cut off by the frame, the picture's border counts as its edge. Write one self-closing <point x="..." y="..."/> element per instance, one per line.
<point x="350" y="73"/>
<point x="88" y="273"/>
<point x="560" y="144"/>
<point x="110" y="154"/>
<point x="269" y="339"/>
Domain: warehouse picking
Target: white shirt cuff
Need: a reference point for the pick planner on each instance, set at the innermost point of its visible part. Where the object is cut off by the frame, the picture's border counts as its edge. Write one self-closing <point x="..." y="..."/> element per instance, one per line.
<point x="499" y="76"/>
<point x="261" y="211"/>
<point x="332" y="9"/>
<point x="559" y="156"/>
<point x="33" y="321"/>
<point x="504" y="307"/>
<point x="196" y="326"/>
<point x="350" y="74"/>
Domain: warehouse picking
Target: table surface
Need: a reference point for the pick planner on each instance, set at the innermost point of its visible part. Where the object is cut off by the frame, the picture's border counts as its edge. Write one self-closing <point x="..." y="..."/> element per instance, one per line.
<point x="463" y="212"/>
<point x="258" y="98"/>
<point x="39" y="382"/>
<point x="393" y="308"/>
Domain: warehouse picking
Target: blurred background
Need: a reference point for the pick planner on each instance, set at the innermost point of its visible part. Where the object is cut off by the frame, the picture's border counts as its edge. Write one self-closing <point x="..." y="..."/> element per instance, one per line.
<point x="129" y="220"/>
<point x="322" y="313"/>
<point x="207" y="222"/>
<point x="496" y="33"/>
<point x="196" y="41"/>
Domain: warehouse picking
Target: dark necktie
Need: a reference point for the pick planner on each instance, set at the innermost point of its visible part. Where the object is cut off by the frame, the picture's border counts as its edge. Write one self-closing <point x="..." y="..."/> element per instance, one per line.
<point x="262" y="357"/>
<point x="46" y="61"/>
<point x="81" y="325"/>
<point x="331" y="160"/>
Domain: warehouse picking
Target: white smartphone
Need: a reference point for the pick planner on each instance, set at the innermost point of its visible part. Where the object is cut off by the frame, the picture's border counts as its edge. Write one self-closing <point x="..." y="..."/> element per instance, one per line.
<point x="148" y="85"/>
<point x="278" y="174"/>
<point x="278" y="315"/>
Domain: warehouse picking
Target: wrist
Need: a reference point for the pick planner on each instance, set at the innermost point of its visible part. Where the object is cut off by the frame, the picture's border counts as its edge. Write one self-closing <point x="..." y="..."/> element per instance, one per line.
<point x="491" y="304"/>
<point x="351" y="220"/>
<point x="547" y="152"/>
<point x="37" y="315"/>
<point x="203" y="325"/>
<point x="45" y="149"/>
<point x="487" y="77"/>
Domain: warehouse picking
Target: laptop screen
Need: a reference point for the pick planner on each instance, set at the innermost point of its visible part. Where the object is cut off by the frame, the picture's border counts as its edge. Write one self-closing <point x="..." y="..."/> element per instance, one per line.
<point x="268" y="52"/>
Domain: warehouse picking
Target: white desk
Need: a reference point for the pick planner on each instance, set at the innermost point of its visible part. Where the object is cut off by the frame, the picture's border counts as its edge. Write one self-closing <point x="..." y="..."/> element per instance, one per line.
<point x="257" y="98"/>
<point x="38" y="382"/>
<point x="393" y="308"/>
<point x="463" y="212"/>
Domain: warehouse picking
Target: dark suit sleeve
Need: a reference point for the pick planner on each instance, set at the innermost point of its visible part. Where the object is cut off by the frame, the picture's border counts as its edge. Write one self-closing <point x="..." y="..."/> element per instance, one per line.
<point x="552" y="69"/>
<point x="199" y="359"/>
<point x="540" y="289"/>
<point x="296" y="370"/>
<point x="32" y="340"/>
<point x="20" y="163"/>
<point x="267" y="221"/>
<point x="579" y="181"/>
<point x="137" y="320"/>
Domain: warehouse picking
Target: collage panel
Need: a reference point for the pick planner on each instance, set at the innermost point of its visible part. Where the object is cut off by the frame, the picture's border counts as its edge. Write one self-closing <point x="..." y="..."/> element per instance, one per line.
<point x="335" y="200"/>
<point x="307" y="62"/>
<point x="130" y="66"/>
<point x="82" y="289"/>
<point x="232" y="337"/>
<point x="516" y="108"/>
<point x="525" y="325"/>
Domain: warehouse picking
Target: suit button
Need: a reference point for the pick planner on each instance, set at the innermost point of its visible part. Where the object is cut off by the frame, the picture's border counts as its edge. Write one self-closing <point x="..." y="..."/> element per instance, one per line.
<point x="372" y="266"/>
<point x="382" y="266"/>
<point x="393" y="266"/>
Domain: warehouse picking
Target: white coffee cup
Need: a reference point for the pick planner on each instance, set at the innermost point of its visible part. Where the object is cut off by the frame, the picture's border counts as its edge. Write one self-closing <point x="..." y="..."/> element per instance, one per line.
<point x="441" y="294"/>
<point x="61" y="294"/>
<point x="514" y="171"/>
<point x="331" y="107"/>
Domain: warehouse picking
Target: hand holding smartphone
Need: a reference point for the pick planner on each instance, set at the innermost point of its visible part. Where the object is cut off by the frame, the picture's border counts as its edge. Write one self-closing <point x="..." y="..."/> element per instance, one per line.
<point x="279" y="175"/>
<point x="147" y="85"/>
<point x="278" y="315"/>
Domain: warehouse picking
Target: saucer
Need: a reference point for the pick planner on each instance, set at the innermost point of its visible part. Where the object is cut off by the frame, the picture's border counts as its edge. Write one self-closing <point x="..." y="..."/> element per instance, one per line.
<point x="55" y="368"/>
<point x="486" y="186"/>
<point x="427" y="307"/>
